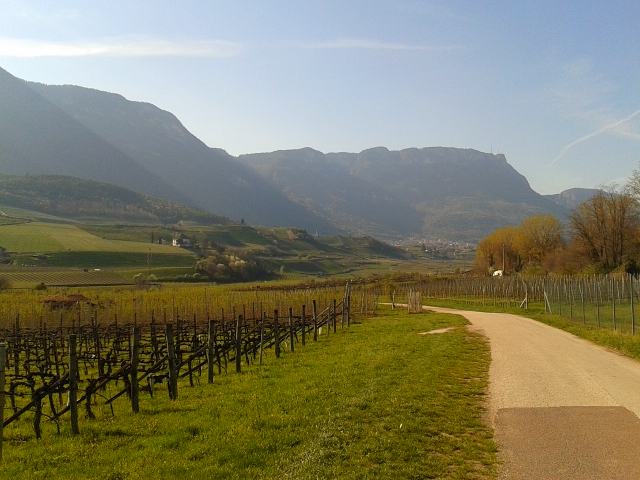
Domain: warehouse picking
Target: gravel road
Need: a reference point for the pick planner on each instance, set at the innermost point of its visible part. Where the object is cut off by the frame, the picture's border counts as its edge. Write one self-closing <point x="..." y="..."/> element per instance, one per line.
<point x="561" y="407"/>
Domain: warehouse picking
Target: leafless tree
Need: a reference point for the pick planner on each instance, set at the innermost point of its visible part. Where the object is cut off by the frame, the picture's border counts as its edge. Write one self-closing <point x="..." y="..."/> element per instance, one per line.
<point x="606" y="226"/>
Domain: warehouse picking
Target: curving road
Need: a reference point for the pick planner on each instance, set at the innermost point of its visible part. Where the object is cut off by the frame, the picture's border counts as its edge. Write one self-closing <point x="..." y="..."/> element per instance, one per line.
<point x="561" y="407"/>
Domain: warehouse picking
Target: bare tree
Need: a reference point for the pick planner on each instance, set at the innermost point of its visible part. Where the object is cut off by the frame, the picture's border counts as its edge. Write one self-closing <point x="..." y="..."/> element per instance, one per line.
<point x="606" y="226"/>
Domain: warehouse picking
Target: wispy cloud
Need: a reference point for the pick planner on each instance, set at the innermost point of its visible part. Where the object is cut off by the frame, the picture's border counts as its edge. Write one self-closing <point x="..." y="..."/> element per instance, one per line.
<point x="129" y="46"/>
<point x="345" y="44"/>
<point x="600" y="131"/>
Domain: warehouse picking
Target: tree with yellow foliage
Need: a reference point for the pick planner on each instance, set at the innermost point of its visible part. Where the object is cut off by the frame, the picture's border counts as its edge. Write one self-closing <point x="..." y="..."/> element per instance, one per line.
<point x="496" y="251"/>
<point x="537" y="237"/>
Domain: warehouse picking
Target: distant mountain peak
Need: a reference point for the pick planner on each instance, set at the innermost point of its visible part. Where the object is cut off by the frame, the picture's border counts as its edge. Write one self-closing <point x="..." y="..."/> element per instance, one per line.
<point x="455" y="193"/>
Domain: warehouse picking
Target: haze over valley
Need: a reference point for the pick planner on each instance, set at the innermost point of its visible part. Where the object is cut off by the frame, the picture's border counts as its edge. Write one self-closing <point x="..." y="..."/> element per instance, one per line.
<point x="432" y="192"/>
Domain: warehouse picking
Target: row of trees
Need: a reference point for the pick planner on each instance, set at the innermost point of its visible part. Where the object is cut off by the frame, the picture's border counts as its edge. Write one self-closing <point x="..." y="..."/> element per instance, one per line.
<point x="602" y="235"/>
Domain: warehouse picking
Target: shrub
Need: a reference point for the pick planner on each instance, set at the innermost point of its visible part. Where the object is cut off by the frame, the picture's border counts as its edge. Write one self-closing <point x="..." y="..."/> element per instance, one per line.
<point x="5" y="283"/>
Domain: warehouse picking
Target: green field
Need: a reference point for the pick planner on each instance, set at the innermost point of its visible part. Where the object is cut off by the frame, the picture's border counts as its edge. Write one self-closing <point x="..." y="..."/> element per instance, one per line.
<point x="37" y="237"/>
<point x="376" y="400"/>
<point x="292" y="253"/>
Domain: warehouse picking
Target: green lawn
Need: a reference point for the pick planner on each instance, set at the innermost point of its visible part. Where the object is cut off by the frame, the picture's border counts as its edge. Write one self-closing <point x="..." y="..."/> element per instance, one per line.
<point x="49" y="237"/>
<point x="374" y="401"/>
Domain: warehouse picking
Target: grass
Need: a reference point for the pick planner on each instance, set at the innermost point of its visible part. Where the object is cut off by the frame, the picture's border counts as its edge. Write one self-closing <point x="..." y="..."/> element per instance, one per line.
<point x="132" y="233"/>
<point x="49" y="237"/>
<point x="376" y="400"/>
<point x="619" y="340"/>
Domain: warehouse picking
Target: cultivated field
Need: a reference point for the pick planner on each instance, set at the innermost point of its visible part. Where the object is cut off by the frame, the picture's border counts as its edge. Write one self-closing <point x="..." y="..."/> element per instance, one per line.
<point x="65" y="278"/>
<point x="49" y="237"/>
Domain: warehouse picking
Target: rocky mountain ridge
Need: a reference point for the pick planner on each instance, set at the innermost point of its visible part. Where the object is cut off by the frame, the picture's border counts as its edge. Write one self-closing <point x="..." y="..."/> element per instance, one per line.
<point x="434" y="192"/>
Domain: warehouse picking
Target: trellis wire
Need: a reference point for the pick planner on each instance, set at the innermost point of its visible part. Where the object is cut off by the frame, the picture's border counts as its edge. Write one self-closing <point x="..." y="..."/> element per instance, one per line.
<point x="605" y="301"/>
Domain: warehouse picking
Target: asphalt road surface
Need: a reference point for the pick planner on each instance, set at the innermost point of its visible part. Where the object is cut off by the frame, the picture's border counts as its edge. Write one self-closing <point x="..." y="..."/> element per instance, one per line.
<point x="561" y="407"/>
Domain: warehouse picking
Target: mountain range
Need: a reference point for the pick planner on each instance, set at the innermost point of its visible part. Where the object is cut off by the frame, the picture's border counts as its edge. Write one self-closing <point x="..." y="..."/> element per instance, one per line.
<point x="72" y="198"/>
<point x="435" y="192"/>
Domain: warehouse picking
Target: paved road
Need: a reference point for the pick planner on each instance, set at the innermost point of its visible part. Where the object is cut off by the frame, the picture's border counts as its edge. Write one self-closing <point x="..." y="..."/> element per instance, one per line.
<point x="562" y="407"/>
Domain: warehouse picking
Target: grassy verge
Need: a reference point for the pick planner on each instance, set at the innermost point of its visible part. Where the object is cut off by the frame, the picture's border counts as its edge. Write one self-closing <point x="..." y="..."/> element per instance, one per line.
<point x="376" y="400"/>
<point x="621" y="341"/>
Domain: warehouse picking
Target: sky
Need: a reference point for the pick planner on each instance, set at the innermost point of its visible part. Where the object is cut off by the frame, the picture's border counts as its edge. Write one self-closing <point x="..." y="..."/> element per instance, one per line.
<point x="553" y="85"/>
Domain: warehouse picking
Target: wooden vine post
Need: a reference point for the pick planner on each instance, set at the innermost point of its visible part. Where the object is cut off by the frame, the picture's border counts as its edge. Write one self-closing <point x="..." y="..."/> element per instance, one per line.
<point x="239" y="344"/>
<point x="633" y="313"/>
<point x="261" y="336"/>
<point x="304" y="327"/>
<point x="276" y="333"/>
<point x="315" y="322"/>
<point x="291" y="347"/>
<point x="348" y="299"/>
<point x="210" y="351"/>
<point x="173" y="372"/>
<point x="73" y="384"/>
<point x="3" y="361"/>
<point x="135" y="358"/>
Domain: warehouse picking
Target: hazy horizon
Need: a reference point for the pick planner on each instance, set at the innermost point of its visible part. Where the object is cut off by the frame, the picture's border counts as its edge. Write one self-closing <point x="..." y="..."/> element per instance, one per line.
<point x="553" y="87"/>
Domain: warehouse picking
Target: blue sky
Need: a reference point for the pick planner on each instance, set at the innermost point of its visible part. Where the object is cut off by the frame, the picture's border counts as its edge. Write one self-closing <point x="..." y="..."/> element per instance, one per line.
<point x="554" y="85"/>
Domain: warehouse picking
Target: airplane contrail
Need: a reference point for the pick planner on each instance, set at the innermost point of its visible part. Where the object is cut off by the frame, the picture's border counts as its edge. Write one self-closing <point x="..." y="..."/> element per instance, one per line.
<point x="593" y="134"/>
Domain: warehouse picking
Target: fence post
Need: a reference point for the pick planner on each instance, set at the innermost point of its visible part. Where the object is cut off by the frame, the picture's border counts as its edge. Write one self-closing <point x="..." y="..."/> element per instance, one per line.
<point x="613" y="302"/>
<point x="210" y="351"/>
<point x="559" y="301"/>
<point x="3" y="361"/>
<point x="633" y="313"/>
<point x="73" y="384"/>
<point x="315" y="322"/>
<point x="333" y="315"/>
<point x="135" y="357"/>
<point x="276" y="333"/>
<point x="597" y="293"/>
<point x="172" y="382"/>
<point x="291" y="347"/>
<point x="348" y="300"/>
<point x="570" y="299"/>
<point x="239" y="344"/>
<point x="304" y="327"/>
<point x="584" y="318"/>
<point x="261" y="336"/>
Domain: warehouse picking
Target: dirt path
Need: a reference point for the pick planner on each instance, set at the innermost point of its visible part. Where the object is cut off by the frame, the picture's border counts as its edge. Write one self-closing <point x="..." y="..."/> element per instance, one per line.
<point x="562" y="408"/>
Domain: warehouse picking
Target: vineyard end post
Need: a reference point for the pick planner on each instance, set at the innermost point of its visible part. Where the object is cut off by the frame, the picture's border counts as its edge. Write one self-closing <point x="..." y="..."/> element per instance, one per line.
<point x="3" y="359"/>
<point x="173" y="373"/>
<point x="73" y="384"/>
<point x="135" y="358"/>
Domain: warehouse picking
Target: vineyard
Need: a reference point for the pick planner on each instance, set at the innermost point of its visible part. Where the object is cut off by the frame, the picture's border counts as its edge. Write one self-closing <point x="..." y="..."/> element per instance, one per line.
<point x="607" y="301"/>
<point x="66" y="278"/>
<point x="78" y="352"/>
<point x="85" y="354"/>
